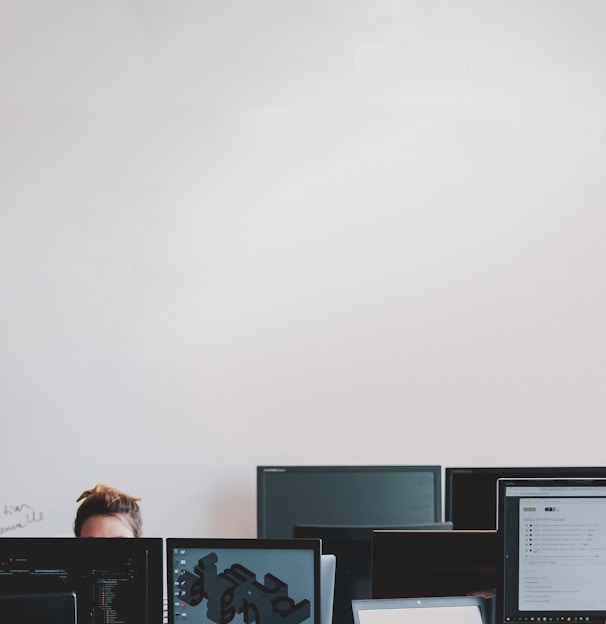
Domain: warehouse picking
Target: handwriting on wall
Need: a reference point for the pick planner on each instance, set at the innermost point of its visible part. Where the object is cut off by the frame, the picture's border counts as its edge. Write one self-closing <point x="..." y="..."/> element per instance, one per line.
<point x="15" y="518"/>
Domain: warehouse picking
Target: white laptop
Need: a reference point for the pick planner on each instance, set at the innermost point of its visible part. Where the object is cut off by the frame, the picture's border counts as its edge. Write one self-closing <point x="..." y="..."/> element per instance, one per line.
<point x="451" y="609"/>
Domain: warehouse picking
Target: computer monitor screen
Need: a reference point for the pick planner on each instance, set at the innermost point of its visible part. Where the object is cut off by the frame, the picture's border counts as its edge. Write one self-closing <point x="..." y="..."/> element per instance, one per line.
<point x="38" y="608"/>
<point x="471" y="493"/>
<point x="243" y="581"/>
<point x="113" y="579"/>
<point x="345" y="495"/>
<point x="352" y="546"/>
<point x="552" y="547"/>
<point x="411" y="564"/>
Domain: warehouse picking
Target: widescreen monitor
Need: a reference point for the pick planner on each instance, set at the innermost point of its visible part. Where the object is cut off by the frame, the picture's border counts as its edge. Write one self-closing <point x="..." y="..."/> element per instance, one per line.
<point x="471" y="493"/>
<point x="552" y="547"/>
<point x="346" y="495"/>
<point x="214" y="581"/>
<point x="113" y="579"/>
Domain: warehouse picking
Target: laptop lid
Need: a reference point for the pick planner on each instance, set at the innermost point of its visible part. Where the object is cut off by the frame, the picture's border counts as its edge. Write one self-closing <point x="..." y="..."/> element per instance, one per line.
<point x="411" y="564"/>
<point x="328" y="568"/>
<point x="243" y="580"/>
<point x="552" y="550"/>
<point x="451" y="609"/>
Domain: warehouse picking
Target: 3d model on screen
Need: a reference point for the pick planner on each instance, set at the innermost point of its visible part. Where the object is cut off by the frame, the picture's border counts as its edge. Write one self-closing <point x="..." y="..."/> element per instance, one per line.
<point x="237" y="591"/>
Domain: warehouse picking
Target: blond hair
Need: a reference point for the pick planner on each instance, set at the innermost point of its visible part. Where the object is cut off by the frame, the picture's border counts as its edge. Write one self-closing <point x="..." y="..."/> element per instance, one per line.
<point x="104" y="500"/>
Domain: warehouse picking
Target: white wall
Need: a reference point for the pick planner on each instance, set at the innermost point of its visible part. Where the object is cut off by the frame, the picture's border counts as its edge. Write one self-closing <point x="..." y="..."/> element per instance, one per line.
<point x="294" y="231"/>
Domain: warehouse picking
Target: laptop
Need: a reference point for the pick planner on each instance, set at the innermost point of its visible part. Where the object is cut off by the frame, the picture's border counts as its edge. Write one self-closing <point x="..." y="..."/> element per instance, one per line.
<point x="328" y="570"/>
<point x="213" y="581"/>
<point x="552" y="547"/>
<point x="451" y="609"/>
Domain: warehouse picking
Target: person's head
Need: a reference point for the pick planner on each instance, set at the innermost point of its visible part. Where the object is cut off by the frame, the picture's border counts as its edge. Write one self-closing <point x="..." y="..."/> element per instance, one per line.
<point x="107" y="512"/>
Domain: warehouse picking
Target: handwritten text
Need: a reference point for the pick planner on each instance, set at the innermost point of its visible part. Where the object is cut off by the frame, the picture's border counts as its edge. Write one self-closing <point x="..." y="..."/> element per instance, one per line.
<point x="18" y="517"/>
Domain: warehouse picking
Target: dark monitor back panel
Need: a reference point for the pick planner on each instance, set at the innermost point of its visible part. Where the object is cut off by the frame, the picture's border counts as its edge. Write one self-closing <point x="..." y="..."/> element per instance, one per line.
<point x="114" y="580"/>
<point x="345" y="495"/>
<point x="471" y="493"/>
<point x="410" y="564"/>
<point x="352" y="545"/>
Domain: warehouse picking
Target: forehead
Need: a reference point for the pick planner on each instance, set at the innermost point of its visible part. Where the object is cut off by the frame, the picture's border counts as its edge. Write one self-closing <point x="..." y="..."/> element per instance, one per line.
<point x="106" y="526"/>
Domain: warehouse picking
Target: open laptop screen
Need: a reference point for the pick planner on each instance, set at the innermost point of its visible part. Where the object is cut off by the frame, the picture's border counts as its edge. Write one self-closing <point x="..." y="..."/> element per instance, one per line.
<point x="243" y="581"/>
<point x="552" y="540"/>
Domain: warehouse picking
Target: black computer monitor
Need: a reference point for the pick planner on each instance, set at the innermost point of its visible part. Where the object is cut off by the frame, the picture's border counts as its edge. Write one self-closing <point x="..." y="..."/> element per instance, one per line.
<point x="552" y="551"/>
<point x="471" y="493"/>
<point x="113" y="579"/>
<point x="346" y="495"/>
<point x="352" y="546"/>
